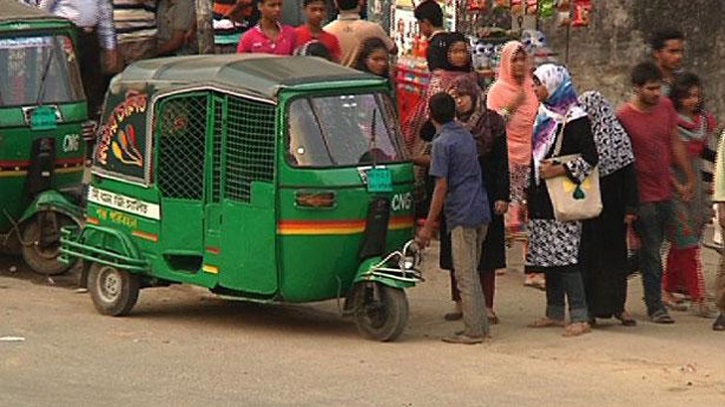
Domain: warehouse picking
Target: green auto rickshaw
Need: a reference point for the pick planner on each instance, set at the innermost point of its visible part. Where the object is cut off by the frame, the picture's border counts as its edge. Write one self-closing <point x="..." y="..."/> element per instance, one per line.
<point x="43" y="122"/>
<point x="275" y="179"/>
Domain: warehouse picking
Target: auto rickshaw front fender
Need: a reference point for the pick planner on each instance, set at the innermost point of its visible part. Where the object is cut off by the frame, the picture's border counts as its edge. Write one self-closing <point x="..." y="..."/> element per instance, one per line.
<point x="55" y="201"/>
<point x="376" y="270"/>
<point x="373" y="269"/>
<point x="103" y="245"/>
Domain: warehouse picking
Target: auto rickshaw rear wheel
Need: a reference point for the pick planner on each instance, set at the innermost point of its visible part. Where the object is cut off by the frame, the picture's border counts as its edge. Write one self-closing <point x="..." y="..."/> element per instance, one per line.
<point x="41" y="243"/>
<point x="381" y="311"/>
<point x="114" y="292"/>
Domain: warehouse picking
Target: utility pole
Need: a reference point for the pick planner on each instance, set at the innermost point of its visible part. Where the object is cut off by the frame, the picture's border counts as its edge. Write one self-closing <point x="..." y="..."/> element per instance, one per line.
<point x="204" y="29"/>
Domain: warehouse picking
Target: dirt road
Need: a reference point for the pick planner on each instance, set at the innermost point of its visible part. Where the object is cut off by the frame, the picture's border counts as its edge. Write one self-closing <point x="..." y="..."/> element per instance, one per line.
<point x="181" y="346"/>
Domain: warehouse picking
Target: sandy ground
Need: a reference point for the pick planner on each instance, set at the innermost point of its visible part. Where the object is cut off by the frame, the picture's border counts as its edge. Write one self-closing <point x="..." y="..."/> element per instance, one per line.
<point x="181" y="346"/>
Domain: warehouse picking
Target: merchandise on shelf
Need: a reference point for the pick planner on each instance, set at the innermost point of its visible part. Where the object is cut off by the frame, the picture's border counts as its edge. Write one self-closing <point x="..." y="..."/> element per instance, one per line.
<point x="536" y="45"/>
<point x="412" y="78"/>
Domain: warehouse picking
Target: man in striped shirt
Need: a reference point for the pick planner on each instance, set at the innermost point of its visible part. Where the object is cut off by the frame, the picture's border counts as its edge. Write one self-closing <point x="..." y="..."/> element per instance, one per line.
<point x="135" y="22"/>
<point x="94" y="19"/>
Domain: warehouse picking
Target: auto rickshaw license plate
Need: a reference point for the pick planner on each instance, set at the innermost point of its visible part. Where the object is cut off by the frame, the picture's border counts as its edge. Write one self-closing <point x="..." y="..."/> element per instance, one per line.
<point x="43" y="118"/>
<point x="380" y="180"/>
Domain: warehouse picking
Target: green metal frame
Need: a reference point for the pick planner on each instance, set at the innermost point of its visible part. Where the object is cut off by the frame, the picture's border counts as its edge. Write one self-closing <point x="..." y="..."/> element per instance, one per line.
<point x="85" y="244"/>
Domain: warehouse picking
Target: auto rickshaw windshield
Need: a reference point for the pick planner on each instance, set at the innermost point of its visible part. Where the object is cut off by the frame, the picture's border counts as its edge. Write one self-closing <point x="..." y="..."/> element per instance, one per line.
<point x="343" y="130"/>
<point x="38" y="70"/>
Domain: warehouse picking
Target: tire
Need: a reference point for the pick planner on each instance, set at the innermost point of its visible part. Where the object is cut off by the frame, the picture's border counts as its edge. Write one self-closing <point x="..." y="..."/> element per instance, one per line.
<point x="114" y="292"/>
<point x="383" y="318"/>
<point x="44" y="260"/>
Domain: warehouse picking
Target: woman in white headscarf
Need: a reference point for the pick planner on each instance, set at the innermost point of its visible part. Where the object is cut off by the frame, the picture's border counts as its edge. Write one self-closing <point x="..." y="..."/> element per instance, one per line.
<point x="554" y="245"/>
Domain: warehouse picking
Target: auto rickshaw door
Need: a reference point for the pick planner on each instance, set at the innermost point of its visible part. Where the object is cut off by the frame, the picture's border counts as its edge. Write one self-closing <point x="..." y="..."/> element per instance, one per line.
<point x="182" y="127"/>
<point x="215" y="174"/>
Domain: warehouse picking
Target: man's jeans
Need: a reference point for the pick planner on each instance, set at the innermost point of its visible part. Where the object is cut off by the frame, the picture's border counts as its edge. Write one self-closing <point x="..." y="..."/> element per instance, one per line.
<point x="466" y="246"/>
<point x="650" y="226"/>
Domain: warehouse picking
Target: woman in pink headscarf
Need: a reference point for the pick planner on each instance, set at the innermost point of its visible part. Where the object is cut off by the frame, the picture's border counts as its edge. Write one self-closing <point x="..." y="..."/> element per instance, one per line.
<point x="512" y="96"/>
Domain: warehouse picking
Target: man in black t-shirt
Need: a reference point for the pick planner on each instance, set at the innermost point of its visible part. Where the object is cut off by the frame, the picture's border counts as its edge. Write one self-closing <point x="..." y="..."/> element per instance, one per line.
<point x="430" y="23"/>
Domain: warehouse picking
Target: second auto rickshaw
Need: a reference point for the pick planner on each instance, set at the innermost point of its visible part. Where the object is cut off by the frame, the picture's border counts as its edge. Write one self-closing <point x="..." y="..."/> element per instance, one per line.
<point x="43" y="122"/>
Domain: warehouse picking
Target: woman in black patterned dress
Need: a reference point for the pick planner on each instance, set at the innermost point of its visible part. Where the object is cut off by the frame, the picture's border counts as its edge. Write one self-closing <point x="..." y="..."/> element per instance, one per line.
<point x="603" y="252"/>
<point x="554" y="245"/>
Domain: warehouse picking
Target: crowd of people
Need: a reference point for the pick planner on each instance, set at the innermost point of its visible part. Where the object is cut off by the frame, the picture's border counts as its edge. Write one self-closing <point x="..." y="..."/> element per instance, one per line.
<point x="115" y="33"/>
<point x="483" y="155"/>
<point x="653" y="157"/>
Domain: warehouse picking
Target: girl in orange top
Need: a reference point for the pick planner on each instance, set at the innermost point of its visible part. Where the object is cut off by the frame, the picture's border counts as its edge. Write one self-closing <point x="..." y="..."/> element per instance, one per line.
<point x="512" y="96"/>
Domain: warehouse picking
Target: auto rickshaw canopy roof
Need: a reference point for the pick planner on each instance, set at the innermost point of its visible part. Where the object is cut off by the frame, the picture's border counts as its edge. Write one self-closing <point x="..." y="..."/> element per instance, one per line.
<point x="261" y="74"/>
<point x="14" y="11"/>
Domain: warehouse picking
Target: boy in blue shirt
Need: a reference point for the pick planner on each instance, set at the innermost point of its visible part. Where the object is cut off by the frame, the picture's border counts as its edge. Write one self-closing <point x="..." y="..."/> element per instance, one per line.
<point x="459" y="191"/>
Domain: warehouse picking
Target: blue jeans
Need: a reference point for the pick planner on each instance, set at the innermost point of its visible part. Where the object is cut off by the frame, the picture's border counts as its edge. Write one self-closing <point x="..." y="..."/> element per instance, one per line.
<point x="565" y="284"/>
<point x="650" y="226"/>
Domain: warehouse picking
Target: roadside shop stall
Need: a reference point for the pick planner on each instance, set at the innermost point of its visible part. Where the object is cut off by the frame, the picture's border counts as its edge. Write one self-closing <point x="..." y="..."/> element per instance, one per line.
<point x="488" y="23"/>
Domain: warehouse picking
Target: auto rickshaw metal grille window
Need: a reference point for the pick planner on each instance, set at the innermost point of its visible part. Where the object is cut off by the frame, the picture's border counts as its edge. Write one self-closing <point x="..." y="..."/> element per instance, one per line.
<point x="219" y="128"/>
<point x="182" y="135"/>
<point x="249" y="147"/>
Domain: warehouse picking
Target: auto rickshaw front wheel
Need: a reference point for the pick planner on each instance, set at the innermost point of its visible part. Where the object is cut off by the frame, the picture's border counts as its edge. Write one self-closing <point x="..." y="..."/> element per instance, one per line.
<point x="41" y="243"/>
<point x="114" y="292"/>
<point x="381" y="311"/>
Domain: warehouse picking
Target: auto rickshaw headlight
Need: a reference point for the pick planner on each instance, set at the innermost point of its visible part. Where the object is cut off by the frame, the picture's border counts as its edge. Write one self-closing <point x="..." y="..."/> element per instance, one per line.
<point x="411" y="256"/>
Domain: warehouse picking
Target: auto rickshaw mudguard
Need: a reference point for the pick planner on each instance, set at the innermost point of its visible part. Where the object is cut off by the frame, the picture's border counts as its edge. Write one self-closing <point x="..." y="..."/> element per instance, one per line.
<point x="56" y="201"/>
<point x="366" y="273"/>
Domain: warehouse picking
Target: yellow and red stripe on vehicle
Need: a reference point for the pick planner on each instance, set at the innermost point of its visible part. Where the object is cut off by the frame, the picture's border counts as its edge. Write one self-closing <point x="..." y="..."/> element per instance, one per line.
<point x="336" y="227"/>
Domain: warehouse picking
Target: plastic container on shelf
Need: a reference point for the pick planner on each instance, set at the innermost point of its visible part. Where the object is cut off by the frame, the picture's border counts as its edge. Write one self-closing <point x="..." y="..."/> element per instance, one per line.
<point x="412" y="79"/>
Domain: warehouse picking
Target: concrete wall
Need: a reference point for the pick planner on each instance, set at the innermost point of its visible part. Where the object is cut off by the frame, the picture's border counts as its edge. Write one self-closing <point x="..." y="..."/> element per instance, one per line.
<point x="601" y="55"/>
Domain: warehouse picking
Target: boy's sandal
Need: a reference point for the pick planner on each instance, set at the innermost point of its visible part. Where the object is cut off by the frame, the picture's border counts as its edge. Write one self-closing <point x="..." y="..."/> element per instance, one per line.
<point x="661" y="317"/>
<point x="719" y="324"/>
<point x="546" y="323"/>
<point x="576" y="329"/>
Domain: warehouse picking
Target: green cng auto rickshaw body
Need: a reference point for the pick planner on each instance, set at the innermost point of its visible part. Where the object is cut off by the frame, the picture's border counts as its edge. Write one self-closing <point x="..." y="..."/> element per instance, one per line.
<point x="276" y="179"/>
<point x="43" y="119"/>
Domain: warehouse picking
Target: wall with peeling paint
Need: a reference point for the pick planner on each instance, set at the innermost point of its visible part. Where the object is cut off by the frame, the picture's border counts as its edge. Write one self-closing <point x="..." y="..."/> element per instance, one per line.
<point x="601" y="55"/>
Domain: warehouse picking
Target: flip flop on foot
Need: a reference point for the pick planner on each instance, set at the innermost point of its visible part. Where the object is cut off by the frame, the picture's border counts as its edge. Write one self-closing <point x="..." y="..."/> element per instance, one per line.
<point x="661" y="317"/>
<point x="703" y="310"/>
<point x="577" y="329"/>
<point x="625" y="319"/>
<point x="546" y="323"/>
<point x="453" y="316"/>
<point x="719" y="324"/>
<point x="538" y="283"/>
<point x="462" y="338"/>
<point x="674" y="305"/>
<point x="492" y="318"/>
<point x="456" y="314"/>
